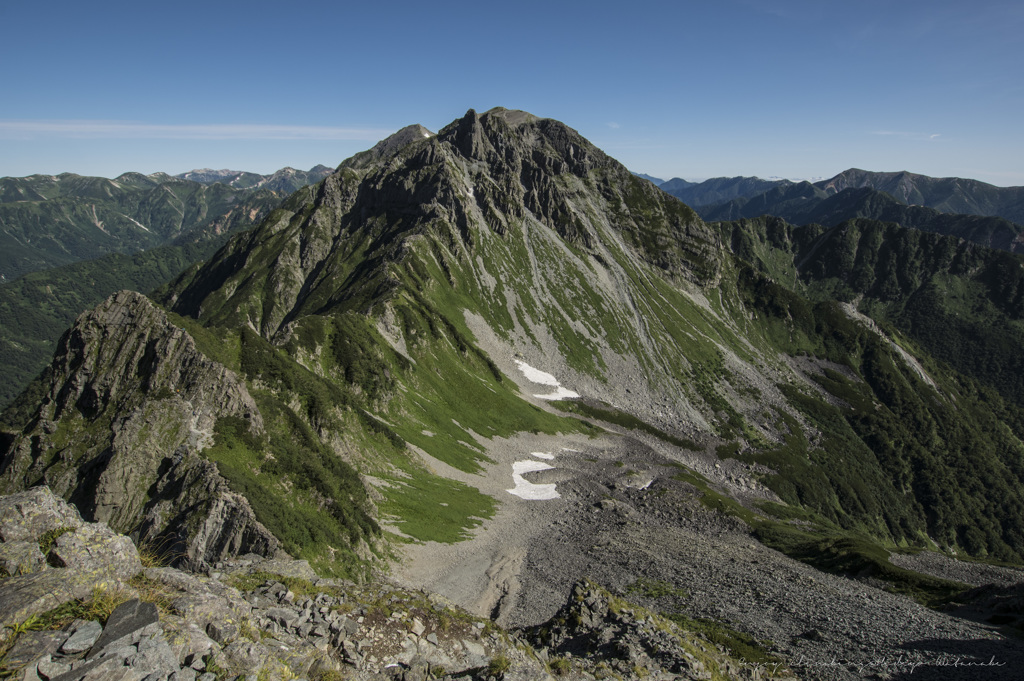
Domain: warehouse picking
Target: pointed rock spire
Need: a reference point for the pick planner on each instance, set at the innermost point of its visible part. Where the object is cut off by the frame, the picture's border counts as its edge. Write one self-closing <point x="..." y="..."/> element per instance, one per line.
<point x="468" y="136"/>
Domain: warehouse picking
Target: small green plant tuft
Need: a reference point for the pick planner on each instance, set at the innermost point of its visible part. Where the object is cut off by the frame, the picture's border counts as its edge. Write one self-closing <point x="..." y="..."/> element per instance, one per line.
<point x="33" y="623"/>
<point x="154" y="554"/>
<point x="327" y="675"/>
<point x="97" y="607"/>
<point x="498" y="665"/>
<point x="298" y="586"/>
<point x="213" y="667"/>
<point x="621" y="418"/>
<point x="246" y="629"/>
<point x="559" y="666"/>
<point x="739" y="644"/>
<point x="49" y="538"/>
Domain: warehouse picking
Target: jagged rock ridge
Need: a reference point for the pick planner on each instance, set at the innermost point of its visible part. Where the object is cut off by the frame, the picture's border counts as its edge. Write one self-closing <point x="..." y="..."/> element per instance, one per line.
<point x="126" y="373"/>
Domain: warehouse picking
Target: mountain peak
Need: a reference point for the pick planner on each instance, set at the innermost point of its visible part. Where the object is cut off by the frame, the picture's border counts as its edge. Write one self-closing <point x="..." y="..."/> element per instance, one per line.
<point x="514" y="117"/>
<point x="501" y="172"/>
<point x="388" y="146"/>
<point x="467" y="135"/>
<point x="491" y="136"/>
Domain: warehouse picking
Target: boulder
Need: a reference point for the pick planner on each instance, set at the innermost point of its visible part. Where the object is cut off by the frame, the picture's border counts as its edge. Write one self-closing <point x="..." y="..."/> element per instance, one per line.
<point x="126" y="623"/>
<point x="21" y="558"/>
<point x="28" y="515"/>
<point x="97" y="549"/>
<point x="26" y="595"/>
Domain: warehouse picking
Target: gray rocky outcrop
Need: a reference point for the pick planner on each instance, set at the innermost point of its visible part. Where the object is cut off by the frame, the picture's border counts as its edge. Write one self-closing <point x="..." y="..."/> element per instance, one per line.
<point x="602" y="629"/>
<point x="130" y="403"/>
<point x="97" y="549"/>
<point x="32" y="513"/>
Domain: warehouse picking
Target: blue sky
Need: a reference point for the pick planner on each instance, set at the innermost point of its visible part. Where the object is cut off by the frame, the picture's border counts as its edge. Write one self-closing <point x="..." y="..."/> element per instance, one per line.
<point x="794" y="88"/>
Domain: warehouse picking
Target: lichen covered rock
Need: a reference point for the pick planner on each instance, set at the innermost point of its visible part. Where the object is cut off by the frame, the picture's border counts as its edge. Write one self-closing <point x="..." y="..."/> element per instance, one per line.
<point x="30" y="514"/>
<point x="97" y="549"/>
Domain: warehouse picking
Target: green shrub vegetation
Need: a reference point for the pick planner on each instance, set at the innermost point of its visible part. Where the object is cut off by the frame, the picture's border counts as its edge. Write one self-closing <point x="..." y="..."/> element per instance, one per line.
<point x="304" y="493"/>
<point x="498" y="665"/>
<point x="856" y="555"/>
<point x="740" y="645"/>
<point x="653" y="588"/>
<point x="897" y="460"/>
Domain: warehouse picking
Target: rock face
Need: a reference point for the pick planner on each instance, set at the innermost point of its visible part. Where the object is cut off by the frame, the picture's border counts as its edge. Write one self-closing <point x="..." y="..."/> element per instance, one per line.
<point x="88" y="555"/>
<point x="30" y="514"/>
<point x="130" y="401"/>
<point x="257" y="618"/>
<point x="603" y="630"/>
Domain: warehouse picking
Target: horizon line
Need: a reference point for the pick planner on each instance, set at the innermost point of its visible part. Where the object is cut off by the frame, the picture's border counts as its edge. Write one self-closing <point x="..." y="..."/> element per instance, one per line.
<point x="109" y="129"/>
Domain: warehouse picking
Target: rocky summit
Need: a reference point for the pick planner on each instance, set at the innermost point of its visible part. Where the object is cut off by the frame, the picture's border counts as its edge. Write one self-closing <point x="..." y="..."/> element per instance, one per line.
<point x="482" y="403"/>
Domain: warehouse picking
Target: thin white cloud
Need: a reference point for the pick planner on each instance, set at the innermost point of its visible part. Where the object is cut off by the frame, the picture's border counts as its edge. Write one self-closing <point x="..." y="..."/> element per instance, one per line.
<point x="613" y="125"/>
<point x="908" y="135"/>
<point x="133" y="130"/>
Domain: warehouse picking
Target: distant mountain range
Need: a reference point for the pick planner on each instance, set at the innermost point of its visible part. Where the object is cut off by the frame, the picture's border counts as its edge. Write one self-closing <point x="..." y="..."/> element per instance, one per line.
<point x="718" y="189"/>
<point x="946" y="194"/>
<point x="69" y="241"/>
<point x="656" y="180"/>
<point x="47" y="221"/>
<point x="285" y="180"/>
<point x="969" y="209"/>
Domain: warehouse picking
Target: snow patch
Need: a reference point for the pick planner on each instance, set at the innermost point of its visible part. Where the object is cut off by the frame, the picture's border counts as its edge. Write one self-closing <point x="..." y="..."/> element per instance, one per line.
<point x="543" y="455"/>
<point x="559" y="394"/>
<point x="536" y="375"/>
<point x="525" y="489"/>
<point x="544" y="378"/>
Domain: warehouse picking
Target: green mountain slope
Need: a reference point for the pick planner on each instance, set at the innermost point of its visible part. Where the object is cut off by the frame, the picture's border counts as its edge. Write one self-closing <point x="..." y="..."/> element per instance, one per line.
<point x="961" y="303"/>
<point x="48" y="221"/>
<point x="36" y="308"/>
<point x="388" y="320"/>
<point x="943" y="428"/>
